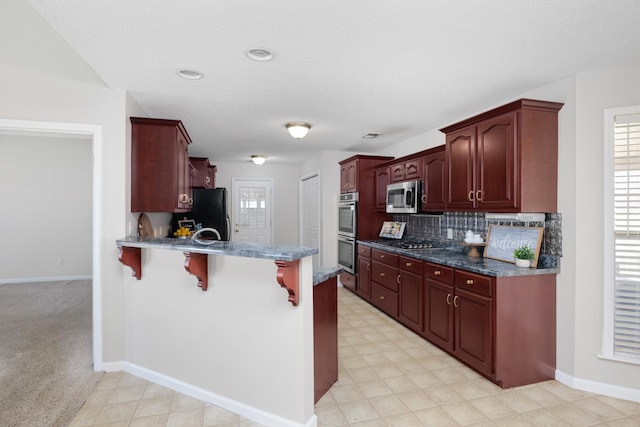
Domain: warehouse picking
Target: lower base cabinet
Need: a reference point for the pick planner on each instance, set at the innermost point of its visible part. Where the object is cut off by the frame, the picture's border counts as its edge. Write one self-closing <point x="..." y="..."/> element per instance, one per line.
<point x="502" y="327"/>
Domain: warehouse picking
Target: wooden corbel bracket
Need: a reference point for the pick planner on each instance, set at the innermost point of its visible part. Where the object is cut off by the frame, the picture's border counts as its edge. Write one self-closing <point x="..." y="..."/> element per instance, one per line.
<point x="196" y="264"/>
<point x="288" y="278"/>
<point x="131" y="257"/>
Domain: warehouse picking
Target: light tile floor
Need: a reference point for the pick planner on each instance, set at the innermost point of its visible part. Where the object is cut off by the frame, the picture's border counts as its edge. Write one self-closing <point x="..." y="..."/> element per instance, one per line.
<point x="389" y="377"/>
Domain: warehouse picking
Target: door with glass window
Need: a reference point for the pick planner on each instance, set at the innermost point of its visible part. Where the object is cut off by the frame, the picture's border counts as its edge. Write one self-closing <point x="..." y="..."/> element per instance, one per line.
<point x="252" y="211"/>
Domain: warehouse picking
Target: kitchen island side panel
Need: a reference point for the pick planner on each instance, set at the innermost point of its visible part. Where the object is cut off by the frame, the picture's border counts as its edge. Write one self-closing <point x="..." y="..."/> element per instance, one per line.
<point x="525" y="329"/>
<point x="241" y="342"/>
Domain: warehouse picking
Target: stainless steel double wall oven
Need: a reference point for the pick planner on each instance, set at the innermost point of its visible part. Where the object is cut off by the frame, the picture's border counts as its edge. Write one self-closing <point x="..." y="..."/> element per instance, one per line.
<point x="347" y="231"/>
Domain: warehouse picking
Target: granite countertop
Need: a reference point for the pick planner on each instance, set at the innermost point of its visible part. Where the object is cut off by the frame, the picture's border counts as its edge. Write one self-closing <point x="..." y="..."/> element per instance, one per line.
<point x="455" y="258"/>
<point x="216" y="247"/>
<point x="321" y="274"/>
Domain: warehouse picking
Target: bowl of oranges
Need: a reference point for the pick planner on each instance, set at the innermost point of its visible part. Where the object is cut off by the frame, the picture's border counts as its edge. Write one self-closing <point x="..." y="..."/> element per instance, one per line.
<point x="182" y="233"/>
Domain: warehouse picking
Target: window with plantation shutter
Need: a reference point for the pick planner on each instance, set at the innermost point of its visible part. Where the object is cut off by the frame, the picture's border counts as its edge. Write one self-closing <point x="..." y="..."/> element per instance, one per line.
<point x="625" y="310"/>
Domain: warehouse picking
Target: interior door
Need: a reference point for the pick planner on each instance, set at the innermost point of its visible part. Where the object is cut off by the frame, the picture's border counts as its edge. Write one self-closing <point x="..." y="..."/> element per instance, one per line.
<point x="252" y="211"/>
<point x="310" y="215"/>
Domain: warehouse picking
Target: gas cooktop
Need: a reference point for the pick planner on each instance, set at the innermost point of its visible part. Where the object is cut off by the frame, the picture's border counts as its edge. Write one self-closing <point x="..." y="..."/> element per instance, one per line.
<point x="406" y="245"/>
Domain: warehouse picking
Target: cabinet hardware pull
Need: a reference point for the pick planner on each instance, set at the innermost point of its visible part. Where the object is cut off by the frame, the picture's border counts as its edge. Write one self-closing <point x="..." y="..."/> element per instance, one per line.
<point x="381" y="256"/>
<point x="448" y="299"/>
<point x="470" y="196"/>
<point x="469" y="282"/>
<point x="190" y="201"/>
<point x="409" y="264"/>
<point x="479" y="195"/>
<point x="398" y="279"/>
<point x="437" y="273"/>
<point x="207" y="180"/>
<point x="424" y="198"/>
<point x="455" y="301"/>
<point x="381" y="297"/>
<point x="381" y="274"/>
<point x="367" y="267"/>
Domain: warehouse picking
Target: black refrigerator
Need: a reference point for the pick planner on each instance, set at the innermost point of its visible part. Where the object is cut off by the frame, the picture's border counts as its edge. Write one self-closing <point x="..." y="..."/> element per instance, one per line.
<point x="210" y="209"/>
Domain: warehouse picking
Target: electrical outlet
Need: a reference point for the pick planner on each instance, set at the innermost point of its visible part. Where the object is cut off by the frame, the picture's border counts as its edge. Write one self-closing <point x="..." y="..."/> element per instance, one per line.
<point x="449" y="233"/>
<point x="60" y="261"/>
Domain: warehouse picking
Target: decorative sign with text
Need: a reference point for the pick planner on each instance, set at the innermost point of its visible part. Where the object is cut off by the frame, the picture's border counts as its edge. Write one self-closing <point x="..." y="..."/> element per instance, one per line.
<point x="502" y="240"/>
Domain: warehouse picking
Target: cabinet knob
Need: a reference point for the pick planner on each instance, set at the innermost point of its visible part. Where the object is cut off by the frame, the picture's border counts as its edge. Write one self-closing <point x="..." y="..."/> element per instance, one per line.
<point x="381" y="256"/>
<point x="381" y="274"/>
<point x="409" y="264"/>
<point x="469" y="282"/>
<point x="381" y="297"/>
<point x="437" y="273"/>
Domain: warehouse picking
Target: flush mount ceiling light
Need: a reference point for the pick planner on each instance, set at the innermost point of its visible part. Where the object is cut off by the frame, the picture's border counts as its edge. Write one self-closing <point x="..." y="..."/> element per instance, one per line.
<point x="298" y="130"/>
<point x="258" y="159"/>
<point x="189" y="74"/>
<point x="260" y="54"/>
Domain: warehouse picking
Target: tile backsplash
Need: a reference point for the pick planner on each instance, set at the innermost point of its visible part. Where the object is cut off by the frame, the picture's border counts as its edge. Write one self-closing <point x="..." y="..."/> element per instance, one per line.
<point x="424" y="226"/>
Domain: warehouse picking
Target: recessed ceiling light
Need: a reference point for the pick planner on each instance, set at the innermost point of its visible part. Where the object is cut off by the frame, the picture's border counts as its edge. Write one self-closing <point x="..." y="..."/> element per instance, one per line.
<point x="370" y="135"/>
<point x="260" y="54"/>
<point x="190" y="74"/>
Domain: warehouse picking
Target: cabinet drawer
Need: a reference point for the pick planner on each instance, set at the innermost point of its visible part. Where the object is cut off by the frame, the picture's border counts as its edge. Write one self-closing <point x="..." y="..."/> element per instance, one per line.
<point x="384" y="257"/>
<point x="385" y="299"/>
<point x="364" y="251"/>
<point x="385" y="275"/>
<point x="471" y="282"/>
<point x="439" y="272"/>
<point x="410" y="264"/>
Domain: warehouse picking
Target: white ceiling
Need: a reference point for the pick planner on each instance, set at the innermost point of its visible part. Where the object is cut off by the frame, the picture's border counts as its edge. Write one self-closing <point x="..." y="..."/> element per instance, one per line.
<point x="348" y="67"/>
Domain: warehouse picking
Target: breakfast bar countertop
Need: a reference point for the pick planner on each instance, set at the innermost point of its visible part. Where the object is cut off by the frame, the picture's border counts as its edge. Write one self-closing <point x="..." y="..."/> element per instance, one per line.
<point x="217" y="247"/>
<point x="455" y="258"/>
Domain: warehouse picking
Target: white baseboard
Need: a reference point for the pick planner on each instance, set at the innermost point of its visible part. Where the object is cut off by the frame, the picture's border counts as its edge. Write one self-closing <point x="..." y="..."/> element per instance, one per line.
<point x="234" y="406"/>
<point x="604" y="389"/>
<point x="45" y="279"/>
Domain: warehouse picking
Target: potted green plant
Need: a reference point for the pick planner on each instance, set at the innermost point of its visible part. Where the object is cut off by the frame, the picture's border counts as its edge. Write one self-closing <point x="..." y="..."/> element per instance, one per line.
<point x="523" y="255"/>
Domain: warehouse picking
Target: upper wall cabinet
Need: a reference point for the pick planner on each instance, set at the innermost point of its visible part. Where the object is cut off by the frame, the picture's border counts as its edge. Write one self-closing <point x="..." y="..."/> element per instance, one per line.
<point x="160" y="171"/>
<point x="504" y="160"/>
<point x="406" y="170"/>
<point x="203" y="174"/>
<point x="434" y="184"/>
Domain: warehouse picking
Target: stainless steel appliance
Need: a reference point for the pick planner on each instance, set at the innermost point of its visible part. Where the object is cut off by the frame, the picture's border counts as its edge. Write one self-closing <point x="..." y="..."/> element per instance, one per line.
<point x="347" y="231"/>
<point x="404" y="197"/>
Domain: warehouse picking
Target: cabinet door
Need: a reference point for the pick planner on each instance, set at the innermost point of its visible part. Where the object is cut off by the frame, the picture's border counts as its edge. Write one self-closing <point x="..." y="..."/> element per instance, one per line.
<point x="349" y="177"/>
<point x="438" y="314"/>
<point x="382" y="180"/>
<point x="496" y="161"/>
<point x="434" y="189"/>
<point x="413" y="169"/>
<point x="474" y="330"/>
<point x="385" y="299"/>
<point x="410" y="310"/>
<point x="460" y="168"/>
<point x="183" y="191"/>
<point x="396" y="172"/>
<point x="364" y="277"/>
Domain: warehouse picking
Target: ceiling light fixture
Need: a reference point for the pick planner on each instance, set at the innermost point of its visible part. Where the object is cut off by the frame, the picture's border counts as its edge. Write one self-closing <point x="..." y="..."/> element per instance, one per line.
<point x="260" y="54"/>
<point x="298" y="130"/>
<point x="190" y="74"/>
<point x="258" y="159"/>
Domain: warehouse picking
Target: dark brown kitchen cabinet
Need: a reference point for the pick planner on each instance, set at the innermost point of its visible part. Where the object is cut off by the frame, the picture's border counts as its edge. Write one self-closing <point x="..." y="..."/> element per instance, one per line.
<point x="473" y="307"/>
<point x="348" y="280"/>
<point x="364" y="272"/>
<point x="325" y="336"/>
<point x="382" y="180"/>
<point x="406" y="170"/>
<point x="349" y="176"/>
<point x="160" y="172"/>
<point x="384" y="281"/>
<point x="203" y="173"/>
<point x="434" y="187"/>
<point x="438" y="302"/>
<point x="410" y="311"/>
<point x="504" y="160"/>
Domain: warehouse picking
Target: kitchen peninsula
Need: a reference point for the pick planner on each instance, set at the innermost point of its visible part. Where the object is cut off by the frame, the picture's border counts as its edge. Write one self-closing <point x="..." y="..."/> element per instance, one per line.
<point x="230" y="344"/>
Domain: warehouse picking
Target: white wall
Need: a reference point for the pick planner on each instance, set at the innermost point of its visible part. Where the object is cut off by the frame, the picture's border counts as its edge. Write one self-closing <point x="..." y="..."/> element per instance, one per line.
<point x="284" y="178"/>
<point x="45" y="183"/>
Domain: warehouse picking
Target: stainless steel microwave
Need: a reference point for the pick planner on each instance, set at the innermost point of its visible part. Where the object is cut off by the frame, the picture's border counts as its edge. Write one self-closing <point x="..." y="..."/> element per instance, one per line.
<point x="404" y="197"/>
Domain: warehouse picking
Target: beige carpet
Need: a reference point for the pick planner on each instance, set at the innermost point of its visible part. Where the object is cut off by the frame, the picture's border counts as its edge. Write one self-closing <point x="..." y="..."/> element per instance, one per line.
<point x="46" y="370"/>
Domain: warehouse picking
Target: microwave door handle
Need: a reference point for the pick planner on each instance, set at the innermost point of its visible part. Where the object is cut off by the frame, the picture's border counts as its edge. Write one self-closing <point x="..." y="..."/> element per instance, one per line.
<point x="408" y="200"/>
